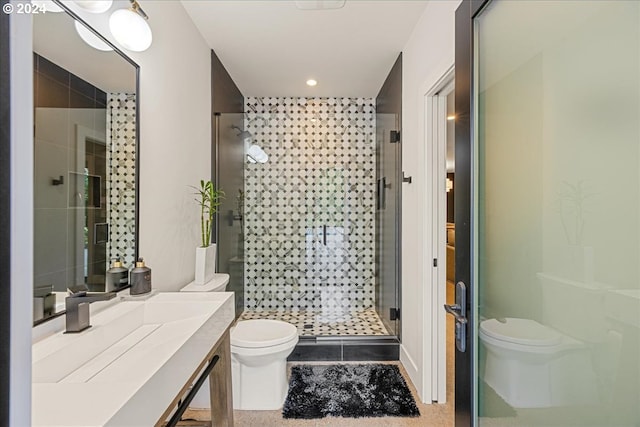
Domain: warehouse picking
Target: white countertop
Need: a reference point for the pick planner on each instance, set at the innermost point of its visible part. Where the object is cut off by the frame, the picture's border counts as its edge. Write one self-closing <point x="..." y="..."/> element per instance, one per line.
<point x="216" y="284"/>
<point x="134" y="379"/>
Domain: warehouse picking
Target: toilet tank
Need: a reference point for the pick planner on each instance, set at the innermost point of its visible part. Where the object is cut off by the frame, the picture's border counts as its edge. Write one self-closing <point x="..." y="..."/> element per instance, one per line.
<point x="574" y="308"/>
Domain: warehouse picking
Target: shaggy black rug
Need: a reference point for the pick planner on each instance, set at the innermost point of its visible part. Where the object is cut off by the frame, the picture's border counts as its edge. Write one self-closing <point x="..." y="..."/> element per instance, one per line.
<point x="353" y="391"/>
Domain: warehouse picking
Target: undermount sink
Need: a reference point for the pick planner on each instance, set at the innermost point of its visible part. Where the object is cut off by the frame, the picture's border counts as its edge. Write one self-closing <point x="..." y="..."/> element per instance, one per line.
<point x="98" y="372"/>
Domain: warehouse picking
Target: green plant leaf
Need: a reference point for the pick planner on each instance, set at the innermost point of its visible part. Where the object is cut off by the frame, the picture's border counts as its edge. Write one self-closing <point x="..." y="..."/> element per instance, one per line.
<point x="208" y="198"/>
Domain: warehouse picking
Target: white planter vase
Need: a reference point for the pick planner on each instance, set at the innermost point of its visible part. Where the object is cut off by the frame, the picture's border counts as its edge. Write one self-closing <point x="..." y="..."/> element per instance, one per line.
<point x="205" y="264"/>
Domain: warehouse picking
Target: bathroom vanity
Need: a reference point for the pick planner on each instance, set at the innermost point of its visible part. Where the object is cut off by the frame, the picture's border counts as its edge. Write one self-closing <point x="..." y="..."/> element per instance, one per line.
<point x="136" y="362"/>
<point x="141" y="356"/>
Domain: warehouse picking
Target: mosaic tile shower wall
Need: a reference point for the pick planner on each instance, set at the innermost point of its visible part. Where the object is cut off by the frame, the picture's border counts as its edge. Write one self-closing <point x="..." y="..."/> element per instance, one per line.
<point x="310" y="209"/>
<point x="121" y="170"/>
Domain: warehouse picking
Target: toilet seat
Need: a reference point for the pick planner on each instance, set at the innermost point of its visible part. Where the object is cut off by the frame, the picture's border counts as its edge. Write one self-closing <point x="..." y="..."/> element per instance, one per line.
<point x="521" y="331"/>
<point x="525" y="335"/>
<point x="262" y="333"/>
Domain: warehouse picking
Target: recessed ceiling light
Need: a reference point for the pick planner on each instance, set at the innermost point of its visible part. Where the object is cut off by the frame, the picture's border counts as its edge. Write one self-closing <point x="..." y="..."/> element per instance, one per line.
<point x="311" y="82"/>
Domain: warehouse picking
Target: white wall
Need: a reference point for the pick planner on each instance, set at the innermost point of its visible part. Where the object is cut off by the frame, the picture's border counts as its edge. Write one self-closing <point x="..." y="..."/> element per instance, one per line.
<point x="175" y="138"/>
<point x="21" y="220"/>
<point x="175" y="110"/>
<point x="427" y="56"/>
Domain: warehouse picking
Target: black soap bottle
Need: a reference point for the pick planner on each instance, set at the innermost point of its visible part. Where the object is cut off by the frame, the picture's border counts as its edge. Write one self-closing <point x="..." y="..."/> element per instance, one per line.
<point x="140" y="279"/>
<point x="117" y="276"/>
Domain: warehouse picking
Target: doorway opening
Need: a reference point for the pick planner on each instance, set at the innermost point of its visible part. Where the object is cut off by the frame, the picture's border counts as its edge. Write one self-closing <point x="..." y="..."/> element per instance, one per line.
<point x="440" y="236"/>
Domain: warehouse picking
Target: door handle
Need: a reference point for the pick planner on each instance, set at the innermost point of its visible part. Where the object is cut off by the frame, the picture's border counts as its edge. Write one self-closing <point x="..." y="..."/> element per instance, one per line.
<point x="381" y="193"/>
<point x="458" y="311"/>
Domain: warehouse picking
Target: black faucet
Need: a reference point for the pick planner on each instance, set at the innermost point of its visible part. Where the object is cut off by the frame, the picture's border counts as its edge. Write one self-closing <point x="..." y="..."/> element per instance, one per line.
<point x="77" y="306"/>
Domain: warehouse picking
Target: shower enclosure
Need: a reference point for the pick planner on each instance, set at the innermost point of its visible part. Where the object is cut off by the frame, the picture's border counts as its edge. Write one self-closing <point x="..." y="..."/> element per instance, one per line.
<point x="229" y="158"/>
<point x="308" y="218"/>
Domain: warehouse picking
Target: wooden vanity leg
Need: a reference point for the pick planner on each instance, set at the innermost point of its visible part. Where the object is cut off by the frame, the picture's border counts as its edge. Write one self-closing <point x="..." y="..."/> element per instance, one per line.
<point x="220" y="385"/>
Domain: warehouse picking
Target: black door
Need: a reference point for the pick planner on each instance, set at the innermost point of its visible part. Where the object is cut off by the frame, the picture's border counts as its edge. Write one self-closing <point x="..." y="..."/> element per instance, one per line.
<point x="464" y="313"/>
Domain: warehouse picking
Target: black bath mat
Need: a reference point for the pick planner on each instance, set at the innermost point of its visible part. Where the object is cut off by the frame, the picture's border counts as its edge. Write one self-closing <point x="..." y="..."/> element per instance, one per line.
<point x="353" y="391"/>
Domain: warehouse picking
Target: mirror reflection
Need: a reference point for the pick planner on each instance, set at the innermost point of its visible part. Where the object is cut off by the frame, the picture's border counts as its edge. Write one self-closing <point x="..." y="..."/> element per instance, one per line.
<point x="85" y="149"/>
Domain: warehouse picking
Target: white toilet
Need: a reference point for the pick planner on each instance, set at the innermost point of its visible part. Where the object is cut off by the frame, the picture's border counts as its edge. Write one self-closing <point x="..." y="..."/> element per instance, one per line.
<point x="259" y="350"/>
<point x="531" y="365"/>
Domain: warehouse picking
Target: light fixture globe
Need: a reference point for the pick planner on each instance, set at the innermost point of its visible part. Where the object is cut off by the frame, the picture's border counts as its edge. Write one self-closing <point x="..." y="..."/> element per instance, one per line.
<point x="94" y="6"/>
<point x="130" y="30"/>
<point x="91" y="39"/>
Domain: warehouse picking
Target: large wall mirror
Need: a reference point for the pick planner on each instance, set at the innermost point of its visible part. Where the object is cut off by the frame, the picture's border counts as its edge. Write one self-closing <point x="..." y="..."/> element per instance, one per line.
<point x="85" y="160"/>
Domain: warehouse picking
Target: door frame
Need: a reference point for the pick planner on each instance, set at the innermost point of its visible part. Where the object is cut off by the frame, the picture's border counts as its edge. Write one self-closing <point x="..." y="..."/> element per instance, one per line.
<point x="465" y="169"/>
<point x="5" y="215"/>
<point x="435" y="373"/>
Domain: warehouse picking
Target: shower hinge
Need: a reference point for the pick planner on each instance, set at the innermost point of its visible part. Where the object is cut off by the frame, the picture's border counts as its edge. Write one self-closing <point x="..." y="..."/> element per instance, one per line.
<point x="394" y="136"/>
<point x="394" y="313"/>
<point x="435" y="262"/>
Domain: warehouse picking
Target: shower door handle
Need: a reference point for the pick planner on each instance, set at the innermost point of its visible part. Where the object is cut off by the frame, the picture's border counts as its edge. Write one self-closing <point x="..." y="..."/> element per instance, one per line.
<point x="382" y="193"/>
<point x="458" y="311"/>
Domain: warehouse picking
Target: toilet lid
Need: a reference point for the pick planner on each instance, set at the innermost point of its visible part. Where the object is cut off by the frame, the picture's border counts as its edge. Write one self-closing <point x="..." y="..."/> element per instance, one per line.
<point x="520" y="331"/>
<point x="262" y="333"/>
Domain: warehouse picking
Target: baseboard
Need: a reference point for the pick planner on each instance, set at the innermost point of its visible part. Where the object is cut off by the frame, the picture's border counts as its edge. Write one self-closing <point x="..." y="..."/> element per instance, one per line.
<point x="413" y="372"/>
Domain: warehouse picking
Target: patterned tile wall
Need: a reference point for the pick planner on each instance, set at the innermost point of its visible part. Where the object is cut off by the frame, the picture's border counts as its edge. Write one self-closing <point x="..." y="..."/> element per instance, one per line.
<point x="309" y="227"/>
<point x="121" y="171"/>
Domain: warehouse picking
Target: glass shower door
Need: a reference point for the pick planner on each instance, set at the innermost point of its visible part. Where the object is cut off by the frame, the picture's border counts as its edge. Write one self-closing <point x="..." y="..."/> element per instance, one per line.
<point x="229" y="161"/>
<point x="328" y="244"/>
<point x="387" y="220"/>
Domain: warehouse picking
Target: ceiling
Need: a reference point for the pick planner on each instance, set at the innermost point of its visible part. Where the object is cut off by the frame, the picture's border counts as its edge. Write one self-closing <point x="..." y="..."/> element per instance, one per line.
<point x="271" y="47"/>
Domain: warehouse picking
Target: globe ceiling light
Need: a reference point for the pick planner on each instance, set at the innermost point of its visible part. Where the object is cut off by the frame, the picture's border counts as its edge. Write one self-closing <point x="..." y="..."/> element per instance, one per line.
<point x="94" y="6"/>
<point x="129" y="27"/>
<point x="48" y="5"/>
<point x="90" y="38"/>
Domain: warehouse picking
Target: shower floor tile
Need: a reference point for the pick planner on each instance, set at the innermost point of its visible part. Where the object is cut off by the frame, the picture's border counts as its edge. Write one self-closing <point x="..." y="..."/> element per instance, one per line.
<point x="310" y="323"/>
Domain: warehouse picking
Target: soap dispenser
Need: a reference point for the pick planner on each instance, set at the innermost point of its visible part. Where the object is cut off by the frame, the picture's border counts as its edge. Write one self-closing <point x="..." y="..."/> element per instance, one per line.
<point x="117" y="276"/>
<point x="140" y="279"/>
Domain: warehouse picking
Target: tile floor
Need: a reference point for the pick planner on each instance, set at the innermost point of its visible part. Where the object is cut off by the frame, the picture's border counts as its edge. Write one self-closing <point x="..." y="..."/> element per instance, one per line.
<point x="364" y="322"/>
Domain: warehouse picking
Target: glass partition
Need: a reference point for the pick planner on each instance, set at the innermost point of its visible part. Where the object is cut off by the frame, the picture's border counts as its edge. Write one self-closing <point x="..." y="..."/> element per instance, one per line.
<point x="558" y="232"/>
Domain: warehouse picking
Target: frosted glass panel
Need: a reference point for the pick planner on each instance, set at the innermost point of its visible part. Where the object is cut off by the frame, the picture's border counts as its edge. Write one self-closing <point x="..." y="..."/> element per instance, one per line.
<point x="558" y="186"/>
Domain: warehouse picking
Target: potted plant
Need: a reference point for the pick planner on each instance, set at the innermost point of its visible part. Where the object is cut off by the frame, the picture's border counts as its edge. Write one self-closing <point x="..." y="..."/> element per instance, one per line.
<point x="208" y="198"/>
